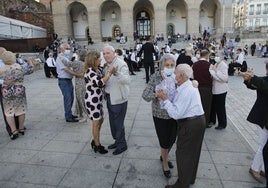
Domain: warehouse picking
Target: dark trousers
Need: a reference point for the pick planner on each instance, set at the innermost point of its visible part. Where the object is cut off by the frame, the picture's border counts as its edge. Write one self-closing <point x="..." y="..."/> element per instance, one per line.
<point x="265" y="160"/>
<point x="67" y="90"/>
<point x="16" y="117"/>
<point x="206" y="99"/>
<point x="47" y="70"/>
<point x="218" y="110"/>
<point x="231" y="69"/>
<point x="53" y="71"/>
<point x="189" y="142"/>
<point x="148" y="66"/>
<point x="117" y="115"/>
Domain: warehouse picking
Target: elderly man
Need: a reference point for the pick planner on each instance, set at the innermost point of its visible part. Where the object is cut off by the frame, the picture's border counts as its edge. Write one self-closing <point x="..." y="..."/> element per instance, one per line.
<point x="203" y="76"/>
<point x="65" y="83"/>
<point x="117" y="90"/>
<point x="186" y="108"/>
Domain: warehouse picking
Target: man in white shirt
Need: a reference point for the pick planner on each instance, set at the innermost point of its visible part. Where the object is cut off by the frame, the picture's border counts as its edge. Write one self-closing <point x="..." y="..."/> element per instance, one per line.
<point x="237" y="63"/>
<point x="187" y="109"/>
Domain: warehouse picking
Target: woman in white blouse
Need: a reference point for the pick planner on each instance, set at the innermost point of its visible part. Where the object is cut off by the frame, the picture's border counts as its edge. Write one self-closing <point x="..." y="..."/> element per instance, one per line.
<point x="219" y="72"/>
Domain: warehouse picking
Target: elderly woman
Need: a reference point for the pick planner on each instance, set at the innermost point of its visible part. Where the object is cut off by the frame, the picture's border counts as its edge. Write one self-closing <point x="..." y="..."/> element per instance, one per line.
<point x="165" y="126"/>
<point x="219" y="73"/>
<point x="80" y="87"/>
<point x="13" y="95"/>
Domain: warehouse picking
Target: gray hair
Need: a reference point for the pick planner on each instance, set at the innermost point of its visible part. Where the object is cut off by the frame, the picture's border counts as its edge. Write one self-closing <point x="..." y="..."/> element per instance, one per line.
<point x="109" y="47"/>
<point x="164" y="58"/>
<point x="186" y="70"/>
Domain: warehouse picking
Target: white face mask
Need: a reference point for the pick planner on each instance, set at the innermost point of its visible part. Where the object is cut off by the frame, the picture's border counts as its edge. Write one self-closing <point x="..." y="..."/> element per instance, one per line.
<point x="217" y="59"/>
<point x="198" y="56"/>
<point x="67" y="52"/>
<point x="168" y="72"/>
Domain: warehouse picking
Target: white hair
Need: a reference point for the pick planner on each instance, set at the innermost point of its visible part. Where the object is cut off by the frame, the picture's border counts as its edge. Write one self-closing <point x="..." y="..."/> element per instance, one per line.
<point x="165" y="58"/>
<point x="109" y="47"/>
<point x="186" y="70"/>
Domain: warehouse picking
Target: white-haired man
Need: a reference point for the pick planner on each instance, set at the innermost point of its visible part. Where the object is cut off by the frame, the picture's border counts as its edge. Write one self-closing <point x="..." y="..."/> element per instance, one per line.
<point x="117" y="90"/>
<point x="187" y="109"/>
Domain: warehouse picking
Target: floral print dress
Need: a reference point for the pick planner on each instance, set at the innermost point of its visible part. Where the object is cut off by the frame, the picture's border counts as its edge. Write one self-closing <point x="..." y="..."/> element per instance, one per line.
<point x="14" y="96"/>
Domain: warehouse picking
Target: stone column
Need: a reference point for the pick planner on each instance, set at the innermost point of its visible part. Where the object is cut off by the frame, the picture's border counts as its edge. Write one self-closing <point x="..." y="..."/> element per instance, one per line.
<point x="159" y="22"/>
<point x="127" y="21"/>
<point x="192" y="23"/>
<point x="94" y="22"/>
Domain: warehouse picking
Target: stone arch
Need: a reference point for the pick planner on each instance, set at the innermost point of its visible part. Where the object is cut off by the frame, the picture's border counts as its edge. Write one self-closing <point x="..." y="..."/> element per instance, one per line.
<point x="78" y="20"/>
<point x="210" y="14"/>
<point x="176" y="13"/>
<point x="143" y="15"/>
<point x="110" y="12"/>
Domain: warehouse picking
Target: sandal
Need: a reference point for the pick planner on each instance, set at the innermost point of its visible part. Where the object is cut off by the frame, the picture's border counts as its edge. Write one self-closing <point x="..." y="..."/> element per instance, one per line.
<point x="14" y="135"/>
<point x="21" y="131"/>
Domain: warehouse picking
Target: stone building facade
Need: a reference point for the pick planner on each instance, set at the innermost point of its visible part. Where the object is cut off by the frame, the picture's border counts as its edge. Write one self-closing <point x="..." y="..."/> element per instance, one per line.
<point x="109" y="18"/>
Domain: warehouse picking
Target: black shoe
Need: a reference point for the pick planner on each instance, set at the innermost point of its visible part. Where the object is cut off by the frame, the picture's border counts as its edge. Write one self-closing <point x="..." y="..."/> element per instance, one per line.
<point x="74" y="117"/>
<point x="208" y="126"/>
<point x="101" y="149"/>
<point x="170" y="165"/>
<point x="72" y="120"/>
<point x="21" y="131"/>
<point x="93" y="144"/>
<point x="14" y="135"/>
<point x="219" y="127"/>
<point x="133" y="73"/>
<point x="118" y="151"/>
<point x="167" y="173"/>
<point x="112" y="146"/>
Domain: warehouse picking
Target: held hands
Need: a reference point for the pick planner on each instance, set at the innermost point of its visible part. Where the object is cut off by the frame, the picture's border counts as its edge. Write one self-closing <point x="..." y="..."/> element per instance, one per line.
<point x="248" y="75"/>
<point x="162" y="94"/>
<point x="113" y="70"/>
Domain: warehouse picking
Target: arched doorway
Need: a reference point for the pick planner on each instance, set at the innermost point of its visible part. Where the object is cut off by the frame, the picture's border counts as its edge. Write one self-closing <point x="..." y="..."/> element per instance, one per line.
<point x="143" y="14"/>
<point x="116" y="31"/>
<point x="78" y="21"/>
<point x="110" y="18"/>
<point x="170" y="30"/>
<point x="143" y="24"/>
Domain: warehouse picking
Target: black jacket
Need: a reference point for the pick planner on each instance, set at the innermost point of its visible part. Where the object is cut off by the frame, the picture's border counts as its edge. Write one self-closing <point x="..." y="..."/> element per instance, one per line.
<point x="259" y="112"/>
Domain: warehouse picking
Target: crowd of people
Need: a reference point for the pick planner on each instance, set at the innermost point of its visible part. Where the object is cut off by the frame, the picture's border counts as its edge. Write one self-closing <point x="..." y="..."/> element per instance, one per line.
<point x="187" y="89"/>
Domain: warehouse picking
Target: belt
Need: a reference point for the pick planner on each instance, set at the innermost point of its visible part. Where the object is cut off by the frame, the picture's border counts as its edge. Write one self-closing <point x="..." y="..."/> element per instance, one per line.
<point x="188" y="118"/>
<point x="65" y="78"/>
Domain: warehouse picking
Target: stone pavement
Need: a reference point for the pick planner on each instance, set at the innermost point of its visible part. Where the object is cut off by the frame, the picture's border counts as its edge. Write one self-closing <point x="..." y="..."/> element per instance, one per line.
<point x="53" y="153"/>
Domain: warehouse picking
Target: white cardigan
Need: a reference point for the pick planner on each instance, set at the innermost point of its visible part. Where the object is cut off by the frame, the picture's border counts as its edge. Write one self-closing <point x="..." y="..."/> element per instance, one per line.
<point x="119" y="83"/>
<point x="219" y="72"/>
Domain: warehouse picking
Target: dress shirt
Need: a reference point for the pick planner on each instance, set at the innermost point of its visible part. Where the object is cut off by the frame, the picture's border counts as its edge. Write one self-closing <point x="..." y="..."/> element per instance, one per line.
<point x="186" y="103"/>
<point x="51" y="62"/>
<point x="60" y="68"/>
<point x="240" y="58"/>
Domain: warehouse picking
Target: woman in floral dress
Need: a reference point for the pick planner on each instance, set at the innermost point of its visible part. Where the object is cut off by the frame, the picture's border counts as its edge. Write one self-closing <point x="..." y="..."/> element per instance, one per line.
<point x="13" y="95"/>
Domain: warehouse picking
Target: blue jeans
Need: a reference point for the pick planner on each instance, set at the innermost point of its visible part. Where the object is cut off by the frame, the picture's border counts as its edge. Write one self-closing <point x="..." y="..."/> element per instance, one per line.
<point x="67" y="90"/>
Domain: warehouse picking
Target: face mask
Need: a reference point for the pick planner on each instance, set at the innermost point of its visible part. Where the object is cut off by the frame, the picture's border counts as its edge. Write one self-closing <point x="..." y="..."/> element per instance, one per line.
<point x="198" y="56"/>
<point x="217" y="59"/>
<point x="67" y="52"/>
<point x="173" y="76"/>
<point x="168" y="72"/>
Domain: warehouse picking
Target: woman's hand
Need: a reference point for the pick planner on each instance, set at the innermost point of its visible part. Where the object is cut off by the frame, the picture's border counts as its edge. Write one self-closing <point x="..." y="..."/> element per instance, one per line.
<point x="162" y="94"/>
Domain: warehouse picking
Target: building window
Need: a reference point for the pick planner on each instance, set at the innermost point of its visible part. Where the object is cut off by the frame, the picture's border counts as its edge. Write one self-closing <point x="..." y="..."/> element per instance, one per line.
<point x="251" y="10"/>
<point x="258" y="11"/>
<point x="143" y="24"/>
<point x="257" y="22"/>
<point x="264" y="21"/>
<point x="265" y="10"/>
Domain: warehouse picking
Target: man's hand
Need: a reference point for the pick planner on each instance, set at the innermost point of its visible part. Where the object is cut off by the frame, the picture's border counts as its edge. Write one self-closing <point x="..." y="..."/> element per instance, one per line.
<point x="162" y="94"/>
